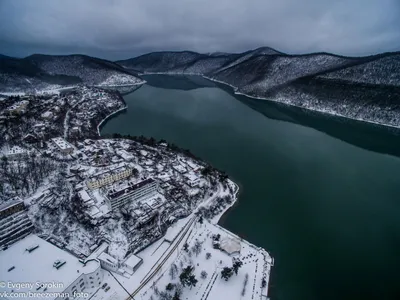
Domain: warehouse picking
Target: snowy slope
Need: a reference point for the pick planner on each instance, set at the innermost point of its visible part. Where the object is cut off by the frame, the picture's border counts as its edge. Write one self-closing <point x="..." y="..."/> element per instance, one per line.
<point x="384" y="70"/>
<point x="18" y="75"/>
<point x="264" y="72"/>
<point x="160" y="61"/>
<point x="249" y="54"/>
<point x="92" y="71"/>
<point x="206" y="65"/>
<point x="45" y="72"/>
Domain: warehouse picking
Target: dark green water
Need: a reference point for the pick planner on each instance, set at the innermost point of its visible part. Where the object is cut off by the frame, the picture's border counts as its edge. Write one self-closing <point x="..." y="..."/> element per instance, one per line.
<point x="327" y="210"/>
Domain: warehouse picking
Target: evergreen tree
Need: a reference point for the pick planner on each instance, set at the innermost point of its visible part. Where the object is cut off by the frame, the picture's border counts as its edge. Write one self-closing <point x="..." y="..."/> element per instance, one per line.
<point x="226" y="273"/>
<point x="236" y="265"/>
<point x="192" y="281"/>
<point x="176" y="296"/>
<point x="186" y="247"/>
<point x="187" y="278"/>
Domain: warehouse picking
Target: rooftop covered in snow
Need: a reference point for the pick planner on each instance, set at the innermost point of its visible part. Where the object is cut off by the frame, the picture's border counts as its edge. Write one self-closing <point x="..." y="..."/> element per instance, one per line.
<point x="33" y="259"/>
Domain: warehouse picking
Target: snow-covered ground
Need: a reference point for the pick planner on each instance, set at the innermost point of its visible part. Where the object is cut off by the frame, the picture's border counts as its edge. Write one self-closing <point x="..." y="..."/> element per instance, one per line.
<point x="151" y="279"/>
<point x="120" y="80"/>
<point x="256" y="265"/>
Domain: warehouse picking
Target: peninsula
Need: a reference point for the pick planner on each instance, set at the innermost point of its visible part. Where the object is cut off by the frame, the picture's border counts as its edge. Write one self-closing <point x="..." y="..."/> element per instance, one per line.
<point x="121" y="217"/>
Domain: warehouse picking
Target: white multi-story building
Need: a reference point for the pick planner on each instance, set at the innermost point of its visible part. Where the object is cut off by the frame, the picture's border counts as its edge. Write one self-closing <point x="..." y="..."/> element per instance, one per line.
<point x="34" y="260"/>
<point x="192" y="180"/>
<point x="119" y="196"/>
<point x="14" y="223"/>
<point x="63" y="145"/>
<point x="16" y="152"/>
<point x="108" y="176"/>
<point x="108" y="262"/>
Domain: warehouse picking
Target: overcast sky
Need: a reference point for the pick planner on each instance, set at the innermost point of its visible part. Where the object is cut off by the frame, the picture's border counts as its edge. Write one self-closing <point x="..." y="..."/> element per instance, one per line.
<point x="117" y="29"/>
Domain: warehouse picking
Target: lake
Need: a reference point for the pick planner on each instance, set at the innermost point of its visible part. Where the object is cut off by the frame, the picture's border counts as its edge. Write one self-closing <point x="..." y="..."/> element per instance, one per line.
<point x="313" y="194"/>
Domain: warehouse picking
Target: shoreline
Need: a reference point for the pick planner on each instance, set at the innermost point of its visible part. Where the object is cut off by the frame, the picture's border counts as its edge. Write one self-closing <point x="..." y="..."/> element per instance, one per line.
<point x="386" y="126"/>
<point x="235" y="91"/>
<point x="99" y="125"/>
<point x="109" y="116"/>
<point x="269" y="261"/>
<point x="218" y="219"/>
<point x="61" y="89"/>
<point x="120" y="85"/>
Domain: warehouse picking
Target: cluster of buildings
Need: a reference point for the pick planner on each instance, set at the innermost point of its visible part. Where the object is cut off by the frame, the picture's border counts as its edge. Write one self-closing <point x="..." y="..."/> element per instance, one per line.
<point x="108" y="190"/>
<point x="18" y="107"/>
<point x="26" y="257"/>
<point x="13" y="111"/>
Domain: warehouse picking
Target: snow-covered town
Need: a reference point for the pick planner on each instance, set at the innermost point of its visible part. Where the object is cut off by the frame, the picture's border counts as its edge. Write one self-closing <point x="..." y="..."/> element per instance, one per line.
<point x="119" y="217"/>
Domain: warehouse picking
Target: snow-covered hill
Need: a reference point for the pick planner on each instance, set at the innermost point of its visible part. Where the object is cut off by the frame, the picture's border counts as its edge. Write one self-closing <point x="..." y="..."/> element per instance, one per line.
<point x="45" y="72"/>
<point x="264" y="72"/>
<point x="160" y="61"/>
<point x="20" y="75"/>
<point x="384" y="70"/>
<point x="364" y="88"/>
<point x="92" y="71"/>
<point x="249" y="54"/>
<point x="187" y="62"/>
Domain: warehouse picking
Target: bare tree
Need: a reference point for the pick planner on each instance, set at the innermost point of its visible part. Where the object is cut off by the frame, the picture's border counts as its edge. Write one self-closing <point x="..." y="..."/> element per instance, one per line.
<point x="203" y="274"/>
<point x="246" y="279"/>
<point x="164" y="296"/>
<point x="173" y="271"/>
<point x="197" y="247"/>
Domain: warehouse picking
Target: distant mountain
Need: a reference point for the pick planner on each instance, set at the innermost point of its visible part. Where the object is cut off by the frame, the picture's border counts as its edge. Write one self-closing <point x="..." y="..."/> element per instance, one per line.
<point x="42" y="72"/>
<point x="160" y="61"/>
<point x="364" y="88"/>
<point x="18" y="75"/>
<point x="187" y="62"/>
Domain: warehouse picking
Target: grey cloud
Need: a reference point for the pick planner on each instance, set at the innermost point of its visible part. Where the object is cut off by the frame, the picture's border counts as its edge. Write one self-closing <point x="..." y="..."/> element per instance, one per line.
<point x="124" y="28"/>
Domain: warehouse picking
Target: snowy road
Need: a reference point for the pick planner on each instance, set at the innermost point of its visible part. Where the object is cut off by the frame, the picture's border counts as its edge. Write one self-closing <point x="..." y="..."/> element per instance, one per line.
<point x="66" y="119"/>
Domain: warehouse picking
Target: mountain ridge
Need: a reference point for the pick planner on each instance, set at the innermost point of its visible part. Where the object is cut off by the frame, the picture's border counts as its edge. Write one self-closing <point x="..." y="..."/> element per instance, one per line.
<point x="364" y="87"/>
<point x="41" y="72"/>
